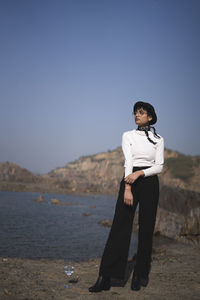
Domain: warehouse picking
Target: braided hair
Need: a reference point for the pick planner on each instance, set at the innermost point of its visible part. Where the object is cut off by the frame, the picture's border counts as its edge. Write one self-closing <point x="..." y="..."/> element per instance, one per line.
<point x="148" y="128"/>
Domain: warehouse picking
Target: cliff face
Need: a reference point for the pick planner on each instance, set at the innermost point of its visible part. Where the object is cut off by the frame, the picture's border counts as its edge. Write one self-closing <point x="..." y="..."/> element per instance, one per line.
<point x="97" y="173"/>
<point x="102" y="172"/>
<point x="178" y="214"/>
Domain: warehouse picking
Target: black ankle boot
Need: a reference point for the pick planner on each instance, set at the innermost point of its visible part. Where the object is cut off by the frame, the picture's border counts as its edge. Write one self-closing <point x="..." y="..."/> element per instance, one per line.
<point x="135" y="283"/>
<point x="144" y="280"/>
<point x="102" y="283"/>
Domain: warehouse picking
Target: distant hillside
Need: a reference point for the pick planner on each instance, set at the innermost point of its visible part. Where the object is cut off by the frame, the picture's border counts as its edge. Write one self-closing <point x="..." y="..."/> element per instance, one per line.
<point x="95" y="173"/>
<point x="102" y="172"/>
<point x="15" y="178"/>
<point x="99" y="173"/>
<point x="13" y="173"/>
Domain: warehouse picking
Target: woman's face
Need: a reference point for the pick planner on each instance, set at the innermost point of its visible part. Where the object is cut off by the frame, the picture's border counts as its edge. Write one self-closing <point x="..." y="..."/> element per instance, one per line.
<point x="141" y="117"/>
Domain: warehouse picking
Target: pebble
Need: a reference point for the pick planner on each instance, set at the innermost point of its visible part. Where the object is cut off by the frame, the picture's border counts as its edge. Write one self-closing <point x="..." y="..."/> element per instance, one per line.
<point x="6" y="292"/>
<point x="4" y="259"/>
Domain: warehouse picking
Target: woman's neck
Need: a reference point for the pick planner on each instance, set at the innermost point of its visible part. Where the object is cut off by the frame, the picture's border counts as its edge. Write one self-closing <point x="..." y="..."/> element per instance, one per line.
<point x="144" y="127"/>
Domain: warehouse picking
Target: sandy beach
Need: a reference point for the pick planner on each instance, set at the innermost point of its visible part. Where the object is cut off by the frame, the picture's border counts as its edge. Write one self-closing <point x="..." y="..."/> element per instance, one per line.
<point x="175" y="274"/>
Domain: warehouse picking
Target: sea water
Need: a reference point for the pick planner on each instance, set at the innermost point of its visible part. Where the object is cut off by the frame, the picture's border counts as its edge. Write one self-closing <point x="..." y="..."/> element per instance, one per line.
<point x="30" y="229"/>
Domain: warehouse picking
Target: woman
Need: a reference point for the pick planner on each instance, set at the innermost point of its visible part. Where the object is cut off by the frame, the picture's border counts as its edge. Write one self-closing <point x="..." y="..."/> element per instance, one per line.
<point x="144" y="157"/>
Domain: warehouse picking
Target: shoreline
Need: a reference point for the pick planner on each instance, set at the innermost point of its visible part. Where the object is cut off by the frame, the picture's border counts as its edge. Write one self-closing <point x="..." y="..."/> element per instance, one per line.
<point x="17" y="188"/>
<point x="174" y="274"/>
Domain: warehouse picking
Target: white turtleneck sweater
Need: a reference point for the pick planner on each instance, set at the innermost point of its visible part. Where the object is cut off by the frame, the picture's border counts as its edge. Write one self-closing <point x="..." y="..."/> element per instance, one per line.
<point x="140" y="152"/>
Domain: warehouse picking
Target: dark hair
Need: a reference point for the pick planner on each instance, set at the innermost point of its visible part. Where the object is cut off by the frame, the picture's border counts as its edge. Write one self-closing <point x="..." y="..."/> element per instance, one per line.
<point x="148" y="128"/>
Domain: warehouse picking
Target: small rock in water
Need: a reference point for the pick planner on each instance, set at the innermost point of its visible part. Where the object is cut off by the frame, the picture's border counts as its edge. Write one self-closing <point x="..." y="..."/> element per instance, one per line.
<point x="40" y="199"/>
<point x="106" y="223"/>
<point x="54" y="201"/>
<point x="86" y="214"/>
<point x="92" y="206"/>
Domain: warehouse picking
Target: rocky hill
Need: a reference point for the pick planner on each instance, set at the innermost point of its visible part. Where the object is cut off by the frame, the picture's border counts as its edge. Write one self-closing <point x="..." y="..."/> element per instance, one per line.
<point x="15" y="178"/>
<point x="102" y="172"/>
<point x="11" y="172"/>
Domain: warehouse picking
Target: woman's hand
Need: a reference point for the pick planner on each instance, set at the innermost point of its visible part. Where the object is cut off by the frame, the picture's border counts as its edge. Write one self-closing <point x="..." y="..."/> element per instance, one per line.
<point x="128" y="196"/>
<point x="130" y="179"/>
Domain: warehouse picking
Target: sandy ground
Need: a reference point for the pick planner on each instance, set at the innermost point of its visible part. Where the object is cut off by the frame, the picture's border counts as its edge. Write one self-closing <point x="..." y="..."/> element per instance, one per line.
<point x="175" y="274"/>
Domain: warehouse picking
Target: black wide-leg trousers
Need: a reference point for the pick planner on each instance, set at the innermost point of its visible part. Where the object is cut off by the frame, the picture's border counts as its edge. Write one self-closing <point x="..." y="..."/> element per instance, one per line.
<point x="115" y="256"/>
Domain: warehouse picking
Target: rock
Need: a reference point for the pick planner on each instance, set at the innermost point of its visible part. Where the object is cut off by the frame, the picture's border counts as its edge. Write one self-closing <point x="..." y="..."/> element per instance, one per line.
<point x="74" y="279"/>
<point x="86" y="214"/>
<point x="178" y="213"/>
<point x="4" y="259"/>
<point x="168" y="223"/>
<point x="191" y="226"/>
<point x="106" y="223"/>
<point x="178" y="200"/>
<point x="40" y="199"/>
<point x="64" y="203"/>
<point x="55" y="201"/>
<point x="6" y="292"/>
<point x="177" y="226"/>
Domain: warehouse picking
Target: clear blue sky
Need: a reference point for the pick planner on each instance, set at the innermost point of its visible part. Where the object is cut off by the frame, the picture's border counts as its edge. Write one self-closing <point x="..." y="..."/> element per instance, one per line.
<point x="71" y="70"/>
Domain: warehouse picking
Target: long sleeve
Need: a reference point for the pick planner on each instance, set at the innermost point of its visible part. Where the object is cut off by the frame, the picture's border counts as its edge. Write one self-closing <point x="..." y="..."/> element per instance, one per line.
<point x="159" y="160"/>
<point x="126" y="148"/>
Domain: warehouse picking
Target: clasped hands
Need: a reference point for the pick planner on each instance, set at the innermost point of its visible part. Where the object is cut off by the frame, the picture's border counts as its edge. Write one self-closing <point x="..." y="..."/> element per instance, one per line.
<point x="130" y="179"/>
